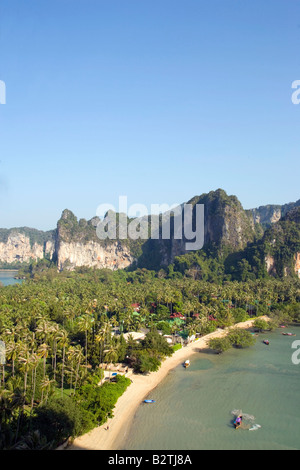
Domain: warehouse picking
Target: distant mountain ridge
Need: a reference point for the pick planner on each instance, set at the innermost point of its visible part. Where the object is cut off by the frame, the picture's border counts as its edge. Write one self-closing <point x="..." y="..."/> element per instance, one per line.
<point x="271" y="213"/>
<point x="230" y="233"/>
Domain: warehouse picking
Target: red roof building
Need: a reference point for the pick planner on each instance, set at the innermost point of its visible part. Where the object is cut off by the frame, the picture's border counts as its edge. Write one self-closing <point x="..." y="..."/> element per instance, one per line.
<point x="136" y="307"/>
<point x="177" y="315"/>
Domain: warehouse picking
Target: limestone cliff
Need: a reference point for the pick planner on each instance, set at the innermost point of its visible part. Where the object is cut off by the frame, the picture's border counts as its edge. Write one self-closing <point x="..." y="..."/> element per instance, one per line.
<point x="24" y="245"/>
<point x="77" y="245"/>
<point x="271" y="213"/>
<point x="277" y="253"/>
<point x="228" y="230"/>
<point x="282" y="245"/>
<point x="93" y="254"/>
<point x="297" y="264"/>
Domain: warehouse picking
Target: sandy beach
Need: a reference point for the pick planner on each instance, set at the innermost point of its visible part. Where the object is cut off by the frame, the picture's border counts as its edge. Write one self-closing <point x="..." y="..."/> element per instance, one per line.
<point x="102" y="439"/>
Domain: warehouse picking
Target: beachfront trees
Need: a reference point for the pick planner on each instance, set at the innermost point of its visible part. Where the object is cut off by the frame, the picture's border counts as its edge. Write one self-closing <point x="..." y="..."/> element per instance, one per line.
<point x="147" y="355"/>
<point x="60" y="419"/>
<point x="260" y="324"/>
<point x="219" y="344"/>
<point x="241" y="338"/>
<point x="236" y="337"/>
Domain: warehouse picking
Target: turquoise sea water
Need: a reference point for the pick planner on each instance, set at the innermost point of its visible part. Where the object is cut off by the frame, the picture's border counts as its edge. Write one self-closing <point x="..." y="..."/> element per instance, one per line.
<point x="7" y="277"/>
<point x="193" y="406"/>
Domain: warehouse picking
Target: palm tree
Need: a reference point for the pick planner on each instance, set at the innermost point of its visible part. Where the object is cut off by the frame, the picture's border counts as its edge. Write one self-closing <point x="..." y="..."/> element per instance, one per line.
<point x="34" y="363"/>
<point x="78" y="358"/>
<point x="25" y="363"/>
<point x="85" y="324"/>
<point x="43" y="330"/>
<point x="12" y="351"/>
<point x="42" y="351"/>
<point x="63" y="342"/>
<point x="100" y="339"/>
<point x="46" y="385"/>
<point x="111" y="355"/>
<point x="71" y="358"/>
<point x="56" y="336"/>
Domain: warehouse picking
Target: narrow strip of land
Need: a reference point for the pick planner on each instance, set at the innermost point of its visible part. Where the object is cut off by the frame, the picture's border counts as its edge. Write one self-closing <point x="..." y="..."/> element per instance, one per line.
<point x="102" y="438"/>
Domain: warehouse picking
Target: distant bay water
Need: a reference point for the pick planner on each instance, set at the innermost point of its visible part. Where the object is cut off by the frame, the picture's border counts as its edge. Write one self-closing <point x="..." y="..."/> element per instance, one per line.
<point x="7" y="277"/>
<point x="193" y="409"/>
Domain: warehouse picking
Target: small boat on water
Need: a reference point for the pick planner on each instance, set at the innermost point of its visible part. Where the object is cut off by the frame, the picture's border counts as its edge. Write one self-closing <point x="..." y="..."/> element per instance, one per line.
<point x="266" y="341"/>
<point x="187" y="363"/>
<point x="149" y="401"/>
<point x="238" y="421"/>
<point x="288" y="334"/>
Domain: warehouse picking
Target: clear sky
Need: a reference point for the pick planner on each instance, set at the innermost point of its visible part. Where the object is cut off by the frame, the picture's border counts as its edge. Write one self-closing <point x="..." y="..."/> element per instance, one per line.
<point x="157" y="100"/>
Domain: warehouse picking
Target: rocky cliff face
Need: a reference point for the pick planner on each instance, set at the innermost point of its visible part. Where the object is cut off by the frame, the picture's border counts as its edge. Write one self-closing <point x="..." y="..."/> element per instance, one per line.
<point x="25" y="245"/>
<point x="226" y="222"/>
<point x="72" y="244"/>
<point x="77" y="245"/>
<point x="17" y="248"/>
<point x="228" y="228"/>
<point x="297" y="264"/>
<point x="270" y="214"/>
<point x="280" y="245"/>
<point x="287" y="270"/>
<point x="92" y="254"/>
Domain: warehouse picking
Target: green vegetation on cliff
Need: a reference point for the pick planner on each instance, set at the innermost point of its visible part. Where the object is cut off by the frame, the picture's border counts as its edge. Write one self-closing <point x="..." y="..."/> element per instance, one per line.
<point x="235" y="248"/>
<point x="57" y="329"/>
<point x="35" y="236"/>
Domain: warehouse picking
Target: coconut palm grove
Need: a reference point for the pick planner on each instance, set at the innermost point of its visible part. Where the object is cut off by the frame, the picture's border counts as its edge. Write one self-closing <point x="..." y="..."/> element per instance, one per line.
<point x="61" y="330"/>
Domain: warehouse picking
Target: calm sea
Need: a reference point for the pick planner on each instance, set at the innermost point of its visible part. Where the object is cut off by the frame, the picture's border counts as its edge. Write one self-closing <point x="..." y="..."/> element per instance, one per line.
<point x="193" y="408"/>
<point x="7" y="277"/>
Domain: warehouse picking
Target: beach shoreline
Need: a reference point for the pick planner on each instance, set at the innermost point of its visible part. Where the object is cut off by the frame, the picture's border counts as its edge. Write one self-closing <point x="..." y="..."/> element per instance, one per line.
<point x="102" y="438"/>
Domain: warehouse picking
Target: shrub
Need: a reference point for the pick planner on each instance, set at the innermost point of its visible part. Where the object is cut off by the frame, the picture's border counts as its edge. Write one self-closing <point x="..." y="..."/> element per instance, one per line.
<point x="240" y="315"/>
<point x="241" y="338"/>
<point x="100" y="401"/>
<point x="61" y="418"/>
<point x="177" y="346"/>
<point x="220" y="344"/>
<point x="261" y="324"/>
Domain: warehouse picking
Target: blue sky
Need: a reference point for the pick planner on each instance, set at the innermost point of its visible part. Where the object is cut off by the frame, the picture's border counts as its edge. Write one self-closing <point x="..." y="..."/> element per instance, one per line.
<point x="155" y="100"/>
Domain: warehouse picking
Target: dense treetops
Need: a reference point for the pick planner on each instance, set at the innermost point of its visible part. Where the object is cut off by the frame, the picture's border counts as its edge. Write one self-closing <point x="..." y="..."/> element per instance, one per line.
<point x="58" y="328"/>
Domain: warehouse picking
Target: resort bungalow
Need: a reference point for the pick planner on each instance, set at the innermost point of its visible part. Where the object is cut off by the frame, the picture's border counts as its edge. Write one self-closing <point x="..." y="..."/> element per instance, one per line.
<point x="173" y="339"/>
<point x="177" y="315"/>
<point x="136" y="335"/>
<point x="136" y="307"/>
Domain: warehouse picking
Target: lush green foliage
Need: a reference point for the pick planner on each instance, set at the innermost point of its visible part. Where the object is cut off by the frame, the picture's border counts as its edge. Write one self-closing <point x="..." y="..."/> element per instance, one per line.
<point x="220" y="344"/>
<point x="236" y="337"/>
<point x="99" y="402"/>
<point x="57" y="328"/>
<point x="241" y="338"/>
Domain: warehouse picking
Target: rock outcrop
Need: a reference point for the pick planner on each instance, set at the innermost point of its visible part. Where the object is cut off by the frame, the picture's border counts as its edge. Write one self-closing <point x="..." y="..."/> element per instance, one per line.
<point x="297" y="264"/>
<point x="227" y="229"/>
<point x="271" y="213"/>
<point x="92" y="254"/>
<point x="24" y="245"/>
